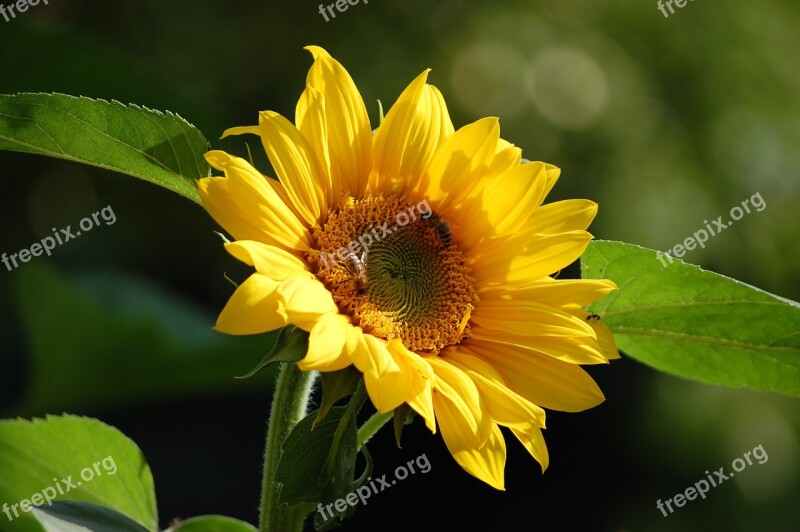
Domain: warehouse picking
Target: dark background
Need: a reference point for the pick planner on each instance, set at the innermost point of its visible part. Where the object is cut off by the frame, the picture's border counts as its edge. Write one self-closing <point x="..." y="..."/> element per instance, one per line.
<point x="665" y="122"/>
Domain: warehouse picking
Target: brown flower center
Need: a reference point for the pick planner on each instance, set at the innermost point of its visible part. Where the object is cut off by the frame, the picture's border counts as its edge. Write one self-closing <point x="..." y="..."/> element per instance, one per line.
<point x="391" y="267"/>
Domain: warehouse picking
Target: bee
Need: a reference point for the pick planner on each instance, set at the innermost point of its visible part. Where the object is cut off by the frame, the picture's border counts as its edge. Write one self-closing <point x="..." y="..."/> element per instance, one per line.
<point x="442" y="229"/>
<point x="358" y="269"/>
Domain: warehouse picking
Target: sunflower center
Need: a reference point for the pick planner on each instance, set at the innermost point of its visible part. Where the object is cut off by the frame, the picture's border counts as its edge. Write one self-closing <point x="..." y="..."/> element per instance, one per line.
<point x="391" y="267"/>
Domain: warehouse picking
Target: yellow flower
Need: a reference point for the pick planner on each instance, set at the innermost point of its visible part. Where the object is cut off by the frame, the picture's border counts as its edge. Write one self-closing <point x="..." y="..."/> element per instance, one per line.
<point x="447" y="304"/>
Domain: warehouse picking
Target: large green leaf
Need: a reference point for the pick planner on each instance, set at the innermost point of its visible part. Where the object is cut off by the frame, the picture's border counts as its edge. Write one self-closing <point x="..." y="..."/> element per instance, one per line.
<point x="110" y="338"/>
<point x="212" y="523"/>
<point x="74" y="516"/>
<point x="72" y="458"/>
<point x="697" y="324"/>
<point x="162" y="148"/>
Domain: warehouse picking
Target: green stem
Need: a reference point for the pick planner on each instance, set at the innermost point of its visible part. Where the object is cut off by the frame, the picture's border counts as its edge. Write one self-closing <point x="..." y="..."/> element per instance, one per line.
<point x="372" y="425"/>
<point x="289" y="406"/>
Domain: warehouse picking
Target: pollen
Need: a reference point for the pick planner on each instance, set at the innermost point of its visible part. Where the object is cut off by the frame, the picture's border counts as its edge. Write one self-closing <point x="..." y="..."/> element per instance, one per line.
<point x="413" y="285"/>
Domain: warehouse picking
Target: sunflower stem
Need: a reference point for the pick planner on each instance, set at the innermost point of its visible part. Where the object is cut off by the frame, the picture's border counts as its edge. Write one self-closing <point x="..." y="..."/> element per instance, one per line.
<point x="289" y="406"/>
<point x="372" y="425"/>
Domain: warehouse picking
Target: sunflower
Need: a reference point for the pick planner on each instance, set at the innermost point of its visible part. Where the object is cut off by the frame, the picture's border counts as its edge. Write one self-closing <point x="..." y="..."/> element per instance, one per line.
<point x="449" y="306"/>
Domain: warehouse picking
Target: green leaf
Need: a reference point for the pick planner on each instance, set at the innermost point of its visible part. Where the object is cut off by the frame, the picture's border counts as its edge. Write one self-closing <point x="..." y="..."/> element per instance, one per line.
<point x="304" y="454"/>
<point x="317" y="462"/>
<point x="73" y="516"/>
<point x="335" y="386"/>
<point x="697" y="324"/>
<point x="326" y="521"/>
<point x="73" y="458"/>
<point x="403" y="415"/>
<point x="342" y="453"/>
<point x="291" y="346"/>
<point x="212" y="523"/>
<point x="161" y="148"/>
<point x="114" y="339"/>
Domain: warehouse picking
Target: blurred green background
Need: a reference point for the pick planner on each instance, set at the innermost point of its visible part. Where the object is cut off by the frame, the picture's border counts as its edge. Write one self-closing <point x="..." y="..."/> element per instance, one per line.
<point x="665" y="122"/>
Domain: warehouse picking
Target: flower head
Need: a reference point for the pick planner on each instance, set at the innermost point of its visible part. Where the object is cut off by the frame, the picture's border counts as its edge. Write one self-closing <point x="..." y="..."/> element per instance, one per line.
<point x="420" y="254"/>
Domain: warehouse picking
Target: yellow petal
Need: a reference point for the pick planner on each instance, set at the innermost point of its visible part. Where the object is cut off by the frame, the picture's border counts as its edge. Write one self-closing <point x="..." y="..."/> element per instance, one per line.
<point x="563" y="293"/>
<point x="388" y="376"/>
<point x="605" y="339"/>
<point x="241" y="130"/>
<point x="562" y="216"/>
<point x="458" y="167"/>
<point x="405" y="142"/>
<point x="326" y="344"/>
<point x="311" y="120"/>
<point x="541" y="379"/>
<point x="511" y="203"/>
<point x="279" y="189"/>
<point x="369" y="357"/>
<point x="253" y="308"/>
<point x="271" y="261"/>
<point x="349" y="134"/>
<point x="296" y="165"/>
<point x="584" y="350"/>
<point x="505" y="406"/>
<point x="273" y="183"/>
<point x="218" y="201"/>
<point x="507" y="157"/>
<point x="420" y="393"/>
<point x="487" y="462"/>
<point x="441" y="122"/>
<point x="529" y="319"/>
<point x="247" y="207"/>
<point x="387" y="379"/>
<point x="461" y="403"/>
<point x="553" y="172"/>
<point x="511" y="198"/>
<point x="533" y="440"/>
<point x="354" y="348"/>
<point x="522" y="258"/>
<point x="305" y="300"/>
<point x="500" y="205"/>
